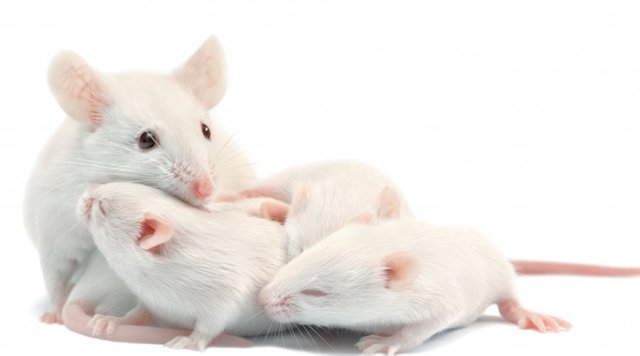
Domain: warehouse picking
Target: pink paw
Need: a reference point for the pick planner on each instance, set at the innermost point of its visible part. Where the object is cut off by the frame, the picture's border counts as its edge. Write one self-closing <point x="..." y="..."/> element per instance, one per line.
<point x="372" y="344"/>
<point x="104" y="324"/>
<point x="187" y="342"/>
<point x="51" y="318"/>
<point x="543" y="322"/>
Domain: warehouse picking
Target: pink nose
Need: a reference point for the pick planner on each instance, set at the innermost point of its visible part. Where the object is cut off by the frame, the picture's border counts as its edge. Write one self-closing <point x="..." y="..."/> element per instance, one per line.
<point x="203" y="188"/>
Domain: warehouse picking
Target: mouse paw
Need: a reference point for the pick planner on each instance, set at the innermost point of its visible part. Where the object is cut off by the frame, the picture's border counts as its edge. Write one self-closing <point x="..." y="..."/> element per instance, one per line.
<point x="373" y="344"/>
<point x="104" y="324"/>
<point x="51" y="318"/>
<point x="542" y="322"/>
<point x="513" y="312"/>
<point x="187" y="342"/>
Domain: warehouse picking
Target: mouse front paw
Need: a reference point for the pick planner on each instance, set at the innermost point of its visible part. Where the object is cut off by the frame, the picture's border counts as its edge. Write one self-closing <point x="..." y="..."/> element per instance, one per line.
<point x="372" y="344"/>
<point x="104" y="324"/>
<point x="51" y="318"/>
<point x="187" y="342"/>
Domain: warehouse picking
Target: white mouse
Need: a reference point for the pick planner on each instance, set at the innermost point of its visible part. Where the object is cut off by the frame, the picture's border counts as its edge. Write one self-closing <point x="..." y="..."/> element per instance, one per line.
<point x="140" y="127"/>
<point x="321" y="197"/>
<point x="401" y="280"/>
<point x="189" y="268"/>
<point x="325" y="196"/>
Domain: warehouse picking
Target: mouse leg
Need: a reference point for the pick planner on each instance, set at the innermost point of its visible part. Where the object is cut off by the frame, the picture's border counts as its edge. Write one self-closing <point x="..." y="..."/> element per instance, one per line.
<point x="107" y="324"/>
<point x="408" y="337"/>
<point x="513" y="312"/>
<point x="202" y="335"/>
<point x="57" y="275"/>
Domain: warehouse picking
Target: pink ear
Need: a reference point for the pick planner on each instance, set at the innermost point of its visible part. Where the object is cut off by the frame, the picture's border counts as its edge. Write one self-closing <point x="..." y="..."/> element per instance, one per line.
<point x="205" y="73"/>
<point x="300" y="196"/>
<point x="78" y="89"/>
<point x="274" y="210"/>
<point x="401" y="269"/>
<point x="364" y="218"/>
<point x="156" y="231"/>
<point x="389" y="204"/>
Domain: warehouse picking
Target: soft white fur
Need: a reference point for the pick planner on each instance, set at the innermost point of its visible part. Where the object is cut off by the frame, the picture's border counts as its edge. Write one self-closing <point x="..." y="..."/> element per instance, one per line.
<point x="460" y="274"/>
<point x="99" y="144"/>
<point x="207" y="276"/>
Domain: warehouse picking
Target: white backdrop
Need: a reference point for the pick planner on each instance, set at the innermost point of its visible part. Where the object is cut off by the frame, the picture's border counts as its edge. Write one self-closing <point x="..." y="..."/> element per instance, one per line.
<point x="520" y="118"/>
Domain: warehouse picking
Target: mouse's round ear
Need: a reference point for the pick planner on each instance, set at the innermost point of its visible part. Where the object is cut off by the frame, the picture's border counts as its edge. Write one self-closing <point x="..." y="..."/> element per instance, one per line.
<point x="389" y="204"/>
<point x="401" y="269"/>
<point x="77" y="87"/>
<point x="300" y="196"/>
<point x="205" y="73"/>
<point x="155" y="232"/>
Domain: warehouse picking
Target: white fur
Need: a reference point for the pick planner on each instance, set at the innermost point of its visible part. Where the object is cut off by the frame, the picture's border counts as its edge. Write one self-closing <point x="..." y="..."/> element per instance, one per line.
<point x="460" y="274"/>
<point x="207" y="276"/>
<point x="99" y="144"/>
<point x="325" y="196"/>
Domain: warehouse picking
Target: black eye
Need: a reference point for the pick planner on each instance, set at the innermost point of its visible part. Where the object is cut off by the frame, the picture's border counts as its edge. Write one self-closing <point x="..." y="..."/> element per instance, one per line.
<point x="206" y="131"/>
<point x="147" y="140"/>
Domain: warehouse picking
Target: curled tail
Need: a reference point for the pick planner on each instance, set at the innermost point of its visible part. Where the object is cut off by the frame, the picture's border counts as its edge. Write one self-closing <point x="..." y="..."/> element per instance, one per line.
<point x="541" y="267"/>
<point x="76" y="317"/>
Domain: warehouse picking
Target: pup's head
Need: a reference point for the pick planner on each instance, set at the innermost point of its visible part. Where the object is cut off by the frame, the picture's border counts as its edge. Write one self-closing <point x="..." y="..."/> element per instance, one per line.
<point x="119" y="216"/>
<point x="314" y="213"/>
<point x="148" y="128"/>
<point x="335" y="283"/>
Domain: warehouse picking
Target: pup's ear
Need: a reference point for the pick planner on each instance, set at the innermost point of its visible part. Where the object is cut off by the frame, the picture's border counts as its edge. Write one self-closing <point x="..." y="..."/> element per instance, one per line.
<point x="389" y="203"/>
<point x="364" y="218"/>
<point x="77" y="87"/>
<point x="401" y="269"/>
<point x="205" y="73"/>
<point x="274" y="210"/>
<point x="156" y="231"/>
<point x="300" y="196"/>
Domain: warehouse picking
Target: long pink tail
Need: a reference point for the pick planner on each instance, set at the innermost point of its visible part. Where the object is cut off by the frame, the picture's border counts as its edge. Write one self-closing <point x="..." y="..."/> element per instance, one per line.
<point x="76" y="318"/>
<point x="542" y="267"/>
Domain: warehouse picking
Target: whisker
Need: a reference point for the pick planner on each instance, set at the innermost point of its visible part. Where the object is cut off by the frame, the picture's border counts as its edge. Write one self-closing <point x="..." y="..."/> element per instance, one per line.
<point x="320" y="336"/>
<point x="310" y="336"/>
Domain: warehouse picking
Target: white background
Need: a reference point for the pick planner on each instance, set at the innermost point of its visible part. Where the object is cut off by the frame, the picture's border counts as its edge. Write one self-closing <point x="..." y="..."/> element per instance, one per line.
<point x="520" y="118"/>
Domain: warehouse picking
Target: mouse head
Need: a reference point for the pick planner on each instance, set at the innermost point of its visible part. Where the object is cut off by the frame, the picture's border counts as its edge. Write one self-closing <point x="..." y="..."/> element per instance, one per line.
<point x="119" y="218"/>
<point x="313" y="216"/>
<point x="339" y="282"/>
<point x="148" y="128"/>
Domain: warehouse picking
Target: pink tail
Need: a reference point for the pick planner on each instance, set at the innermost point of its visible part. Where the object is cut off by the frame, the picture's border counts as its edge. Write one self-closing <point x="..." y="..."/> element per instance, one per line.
<point x="76" y="318"/>
<point x="541" y="267"/>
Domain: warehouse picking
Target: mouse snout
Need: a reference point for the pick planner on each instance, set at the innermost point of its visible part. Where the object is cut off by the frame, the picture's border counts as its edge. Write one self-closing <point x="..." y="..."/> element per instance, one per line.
<point x="275" y="306"/>
<point x="91" y="203"/>
<point x="86" y="201"/>
<point x="202" y="188"/>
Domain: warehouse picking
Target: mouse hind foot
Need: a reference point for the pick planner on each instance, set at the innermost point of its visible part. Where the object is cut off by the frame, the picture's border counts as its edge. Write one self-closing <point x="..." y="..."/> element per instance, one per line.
<point x="515" y="313"/>
<point x="405" y="339"/>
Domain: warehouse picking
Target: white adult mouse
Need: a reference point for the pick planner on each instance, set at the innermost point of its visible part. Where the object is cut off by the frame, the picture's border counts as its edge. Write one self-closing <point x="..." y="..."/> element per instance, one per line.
<point x="324" y="196"/>
<point x="139" y="127"/>
<point x="189" y="268"/>
<point x="401" y="280"/>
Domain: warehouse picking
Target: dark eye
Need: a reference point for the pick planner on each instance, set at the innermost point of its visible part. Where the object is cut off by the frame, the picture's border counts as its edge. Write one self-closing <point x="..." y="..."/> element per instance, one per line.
<point x="206" y="131"/>
<point x="147" y="140"/>
<point x="313" y="293"/>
